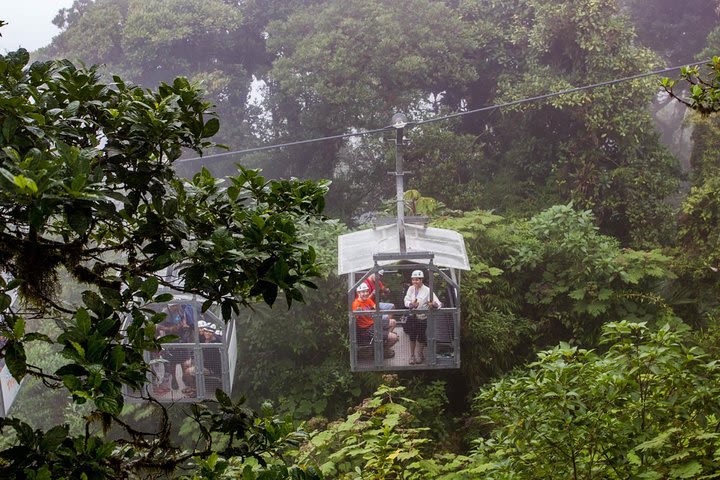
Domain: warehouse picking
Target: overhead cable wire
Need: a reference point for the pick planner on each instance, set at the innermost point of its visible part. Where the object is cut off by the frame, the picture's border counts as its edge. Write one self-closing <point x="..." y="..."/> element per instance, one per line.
<point x="452" y="115"/>
<point x="562" y="92"/>
<point x="288" y="144"/>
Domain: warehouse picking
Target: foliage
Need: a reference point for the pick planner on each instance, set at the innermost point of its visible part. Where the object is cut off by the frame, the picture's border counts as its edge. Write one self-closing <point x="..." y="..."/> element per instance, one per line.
<point x="256" y="444"/>
<point x="216" y="468"/>
<point x="299" y="357"/>
<point x="391" y="71"/>
<point x="375" y="441"/>
<point x="573" y="276"/>
<point x="446" y="166"/>
<point x="703" y="87"/>
<point x="320" y="68"/>
<point x="596" y="147"/>
<point x="429" y="409"/>
<point x="88" y="186"/>
<point x="495" y="336"/>
<point x="661" y="23"/>
<point x="699" y="223"/>
<point x="697" y="260"/>
<point x="551" y="278"/>
<point x="150" y="43"/>
<point x="646" y="408"/>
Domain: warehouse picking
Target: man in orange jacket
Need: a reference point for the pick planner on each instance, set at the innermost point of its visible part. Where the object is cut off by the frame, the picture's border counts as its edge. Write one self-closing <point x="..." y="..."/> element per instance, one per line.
<point x="365" y="323"/>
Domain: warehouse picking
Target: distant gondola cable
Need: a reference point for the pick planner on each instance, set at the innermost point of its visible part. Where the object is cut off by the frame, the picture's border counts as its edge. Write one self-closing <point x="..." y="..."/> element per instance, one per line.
<point x="446" y="117"/>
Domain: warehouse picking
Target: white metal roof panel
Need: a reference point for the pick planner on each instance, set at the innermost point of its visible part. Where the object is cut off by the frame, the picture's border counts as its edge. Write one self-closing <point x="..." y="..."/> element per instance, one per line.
<point x="356" y="250"/>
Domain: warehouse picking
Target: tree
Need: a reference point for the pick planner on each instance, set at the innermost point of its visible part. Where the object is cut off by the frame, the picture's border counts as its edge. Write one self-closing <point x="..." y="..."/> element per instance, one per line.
<point x="377" y="440"/>
<point x="597" y="148"/>
<point x="699" y="221"/>
<point x="343" y="65"/>
<point x="677" y="31"/>
<point x="149" y="43"/>
<point x="645" y="408"/>
<point x="88" y="187"/>
<point x="550" y="278"/>
<point x="572" y="277"/>
<point x="300" y="356"/>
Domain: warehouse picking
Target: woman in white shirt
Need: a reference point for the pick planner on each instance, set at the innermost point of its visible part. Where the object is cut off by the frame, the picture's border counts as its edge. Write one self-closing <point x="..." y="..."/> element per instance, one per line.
<point x="418" y="298"/>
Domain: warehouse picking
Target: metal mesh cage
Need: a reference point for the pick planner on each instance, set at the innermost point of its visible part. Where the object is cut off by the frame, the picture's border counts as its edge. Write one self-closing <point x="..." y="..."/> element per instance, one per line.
<point x="199" y="362"/>
<point x="393" y="332"/>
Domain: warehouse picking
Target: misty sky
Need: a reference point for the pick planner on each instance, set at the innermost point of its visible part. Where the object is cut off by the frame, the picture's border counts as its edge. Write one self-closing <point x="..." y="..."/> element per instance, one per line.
<point x="29" y="23"/>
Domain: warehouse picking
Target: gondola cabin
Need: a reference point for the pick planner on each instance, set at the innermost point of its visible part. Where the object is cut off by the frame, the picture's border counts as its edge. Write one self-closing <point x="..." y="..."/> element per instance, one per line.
<point x="403" y="306"/>
<point x="201" y="360"/>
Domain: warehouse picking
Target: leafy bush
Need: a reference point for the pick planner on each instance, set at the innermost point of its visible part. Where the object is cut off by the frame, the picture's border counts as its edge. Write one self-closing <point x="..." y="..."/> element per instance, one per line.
<point x="646" y="408"/>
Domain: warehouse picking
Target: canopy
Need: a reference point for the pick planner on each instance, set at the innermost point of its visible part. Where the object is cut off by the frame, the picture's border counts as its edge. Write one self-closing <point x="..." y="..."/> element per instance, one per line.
<point x="356" y="250"/>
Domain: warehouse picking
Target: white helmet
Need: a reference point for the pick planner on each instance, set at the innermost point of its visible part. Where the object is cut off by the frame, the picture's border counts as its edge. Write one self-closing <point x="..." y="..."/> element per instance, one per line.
<point x="417" y="274"/>
<point x="363" y="287"/>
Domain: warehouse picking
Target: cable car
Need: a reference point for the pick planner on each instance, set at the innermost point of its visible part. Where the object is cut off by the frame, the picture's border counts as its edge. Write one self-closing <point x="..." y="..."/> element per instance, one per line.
<point x="200" y="361"/>
<point x="394" y="331"/>
<point x="410" y="318"/>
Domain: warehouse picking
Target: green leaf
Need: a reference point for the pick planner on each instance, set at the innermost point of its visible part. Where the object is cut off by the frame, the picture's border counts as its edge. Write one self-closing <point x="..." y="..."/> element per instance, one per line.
<point x="112" y="297"/>
<point x="577" y="294"/>
<point x="223" y="398"/>
<point x="82" y="317"/>
<point x="687" y="470"/>
<point x="117" y="357"/>
<point x="5" y="301"/>
<point x="149" y="286"/>
<point x="71" y="109"/>
<point x="54" y="437"/>
<point x="108" y="404"/>
<point x="269" y="293"/>
<point x="78" y="348"/>
<point x="19" y="327"/>
<point x="658" y="441"/>
<point x="211" y="128"/>
<point x="79" y="219"/>
<point x="93" y="301"/>
<point x="25" y="183"/>
<point x="163" y="298"/>
<point x="15" y="360"/>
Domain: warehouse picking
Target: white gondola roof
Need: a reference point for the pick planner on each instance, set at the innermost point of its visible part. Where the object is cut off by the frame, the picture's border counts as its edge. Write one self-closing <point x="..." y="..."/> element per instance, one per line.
<point x="356" y="250"/>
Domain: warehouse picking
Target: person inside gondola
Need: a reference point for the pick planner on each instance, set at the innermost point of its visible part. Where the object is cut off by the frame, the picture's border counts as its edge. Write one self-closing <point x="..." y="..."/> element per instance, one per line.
<point x="375" y="284"/>
<point x="365" y="323"/>
<point x="179" y="321"/>
<point x="418" y="298"/>
<point x="208" y="332"/>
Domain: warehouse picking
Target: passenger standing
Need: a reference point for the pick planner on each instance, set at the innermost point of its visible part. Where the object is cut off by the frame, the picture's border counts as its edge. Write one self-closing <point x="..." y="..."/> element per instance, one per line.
<point x="418" y="298"/>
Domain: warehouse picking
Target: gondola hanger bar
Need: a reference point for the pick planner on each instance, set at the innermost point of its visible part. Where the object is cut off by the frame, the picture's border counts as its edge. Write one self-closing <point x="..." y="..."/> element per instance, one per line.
<point x="381" y="257"/>
<point x="413" y="219"/>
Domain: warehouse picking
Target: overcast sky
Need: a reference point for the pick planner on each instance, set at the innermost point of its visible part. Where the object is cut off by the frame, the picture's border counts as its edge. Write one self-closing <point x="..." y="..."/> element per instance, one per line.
<point x="29" y="23"/>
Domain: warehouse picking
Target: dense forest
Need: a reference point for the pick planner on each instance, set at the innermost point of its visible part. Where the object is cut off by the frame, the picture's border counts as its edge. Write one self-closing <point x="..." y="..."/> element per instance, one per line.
<point x="590" y="319"/>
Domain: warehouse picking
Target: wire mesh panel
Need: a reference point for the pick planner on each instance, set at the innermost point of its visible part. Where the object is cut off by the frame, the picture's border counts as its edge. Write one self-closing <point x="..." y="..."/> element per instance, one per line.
<point x="372" y="341"/>
<point x="197" y="364"/>
<point x="443" y="345"/>
<point x="213" y="371"/>
<point x="173" y="374"/>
